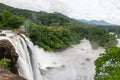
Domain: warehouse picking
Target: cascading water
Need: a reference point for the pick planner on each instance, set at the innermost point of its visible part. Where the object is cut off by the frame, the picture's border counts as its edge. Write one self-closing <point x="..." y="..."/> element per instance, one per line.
<point x="32" y="59"/>
<point x="75" y="63"/>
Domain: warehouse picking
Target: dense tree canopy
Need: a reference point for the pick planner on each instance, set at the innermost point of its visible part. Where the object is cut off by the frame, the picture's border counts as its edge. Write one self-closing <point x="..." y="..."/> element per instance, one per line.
<point x="53" y="31"/>
<point x="8" y="20"/>
<point x="108" y="65"/>
<point x="38" y="17"/>
<point x="61" y="37"/>
<point x="51" y="37"/>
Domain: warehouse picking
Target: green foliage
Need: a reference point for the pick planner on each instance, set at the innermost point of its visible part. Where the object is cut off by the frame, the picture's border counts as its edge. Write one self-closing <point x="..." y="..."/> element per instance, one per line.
<point x="44" y="18"/>
<point x="101" y="37"/>
<point x="108" y="65"/>
<point x="53" y="31"/>
<point x="52" y="38"/>
<point x="59" y="37"/>
<point x="8" y="20"/>
<point x="114" y="29"/>
<point x="98" y="37"/>
<point x="5" y="62"/>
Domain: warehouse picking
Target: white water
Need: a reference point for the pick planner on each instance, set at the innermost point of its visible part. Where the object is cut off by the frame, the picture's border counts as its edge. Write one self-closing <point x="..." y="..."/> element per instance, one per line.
<point x="75" y="63"/>
<point x="118" y="42"/>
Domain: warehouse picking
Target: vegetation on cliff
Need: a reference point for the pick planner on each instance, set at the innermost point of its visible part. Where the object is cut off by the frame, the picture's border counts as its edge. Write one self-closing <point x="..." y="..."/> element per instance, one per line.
<point x="5" y="62"/>
<point x="8" y="55"/>
<point x="108" y="65"/>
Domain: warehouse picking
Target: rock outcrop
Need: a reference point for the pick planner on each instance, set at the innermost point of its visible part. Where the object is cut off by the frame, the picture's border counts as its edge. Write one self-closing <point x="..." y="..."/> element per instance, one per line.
<point x="5" y="74"/>
<point x="8" y="51"/>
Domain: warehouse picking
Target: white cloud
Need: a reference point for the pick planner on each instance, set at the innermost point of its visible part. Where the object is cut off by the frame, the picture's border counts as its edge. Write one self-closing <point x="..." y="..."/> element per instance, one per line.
<point x="108" y="10"/>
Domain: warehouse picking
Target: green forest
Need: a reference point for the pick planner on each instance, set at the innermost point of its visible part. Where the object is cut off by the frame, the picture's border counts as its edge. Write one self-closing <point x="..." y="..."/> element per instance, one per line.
<point x="55" y="31"/>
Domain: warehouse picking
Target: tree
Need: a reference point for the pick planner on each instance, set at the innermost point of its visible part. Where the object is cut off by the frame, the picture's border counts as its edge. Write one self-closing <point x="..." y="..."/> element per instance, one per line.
<point x="9" y="20"/>
<point x="108" y="65"/>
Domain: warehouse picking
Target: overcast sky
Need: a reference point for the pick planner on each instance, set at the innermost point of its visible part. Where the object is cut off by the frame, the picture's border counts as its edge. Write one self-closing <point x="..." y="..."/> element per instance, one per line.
<point x="108" y="10"/>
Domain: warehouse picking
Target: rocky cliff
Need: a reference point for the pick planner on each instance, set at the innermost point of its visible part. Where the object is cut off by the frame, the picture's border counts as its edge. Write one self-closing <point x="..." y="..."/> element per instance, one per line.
<point x="7" y="51"/>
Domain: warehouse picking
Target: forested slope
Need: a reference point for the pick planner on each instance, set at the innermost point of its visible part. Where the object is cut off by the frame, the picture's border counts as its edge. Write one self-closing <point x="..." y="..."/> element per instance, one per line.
<point x="53" y="31"/>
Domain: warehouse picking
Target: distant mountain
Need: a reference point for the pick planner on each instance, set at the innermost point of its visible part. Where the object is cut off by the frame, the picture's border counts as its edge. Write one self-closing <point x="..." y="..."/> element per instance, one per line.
<point x="95" y="22"/>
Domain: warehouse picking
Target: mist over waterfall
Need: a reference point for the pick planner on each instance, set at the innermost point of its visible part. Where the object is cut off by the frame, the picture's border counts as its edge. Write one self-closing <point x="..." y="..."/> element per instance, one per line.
<point x="74" y="63"/>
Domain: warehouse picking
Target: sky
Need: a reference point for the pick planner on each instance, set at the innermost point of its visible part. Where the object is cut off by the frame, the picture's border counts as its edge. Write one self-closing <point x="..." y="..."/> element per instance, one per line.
<point x="108" y="10"/>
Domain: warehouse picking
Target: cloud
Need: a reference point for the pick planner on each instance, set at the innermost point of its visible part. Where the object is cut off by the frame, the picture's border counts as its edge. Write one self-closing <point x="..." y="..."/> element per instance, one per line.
<point x="108" y="10"/>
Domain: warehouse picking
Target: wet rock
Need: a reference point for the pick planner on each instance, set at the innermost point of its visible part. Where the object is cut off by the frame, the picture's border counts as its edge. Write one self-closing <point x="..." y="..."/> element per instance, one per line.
<point x="19" y="31"/>
<point x="2" y="34"/>
<point x="5" y="74"/>
<point x="7" y="51"/>
<point x="87" y="59"/>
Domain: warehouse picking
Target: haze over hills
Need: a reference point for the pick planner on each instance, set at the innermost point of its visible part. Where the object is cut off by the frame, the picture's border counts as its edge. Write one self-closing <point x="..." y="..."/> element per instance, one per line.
<point x="96" y="22"/>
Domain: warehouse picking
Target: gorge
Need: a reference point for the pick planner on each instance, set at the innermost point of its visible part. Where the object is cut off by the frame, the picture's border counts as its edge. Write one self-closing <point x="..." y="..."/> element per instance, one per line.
<point x="74" y="63"/>
<point x="52" y="46"/>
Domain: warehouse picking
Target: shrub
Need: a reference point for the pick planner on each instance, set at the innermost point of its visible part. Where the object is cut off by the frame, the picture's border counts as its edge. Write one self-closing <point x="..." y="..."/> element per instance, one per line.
<point x="5" y="62"/>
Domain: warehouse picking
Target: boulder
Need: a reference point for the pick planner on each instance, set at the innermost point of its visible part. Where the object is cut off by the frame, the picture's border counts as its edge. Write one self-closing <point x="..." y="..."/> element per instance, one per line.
<point x="2" y="34"/>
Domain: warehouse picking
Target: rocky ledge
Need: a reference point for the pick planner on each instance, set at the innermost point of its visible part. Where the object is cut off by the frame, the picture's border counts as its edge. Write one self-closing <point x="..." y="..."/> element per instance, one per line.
<point x="5" y="74"/>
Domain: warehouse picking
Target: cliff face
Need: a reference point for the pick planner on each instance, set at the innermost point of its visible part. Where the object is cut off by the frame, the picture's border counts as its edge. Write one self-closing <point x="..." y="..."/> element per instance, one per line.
<point x="7" y="51"/>
<point x="5" y="74"/>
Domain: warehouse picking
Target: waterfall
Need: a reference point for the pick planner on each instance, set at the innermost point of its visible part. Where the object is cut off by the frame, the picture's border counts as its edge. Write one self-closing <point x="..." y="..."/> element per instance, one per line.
<point x="75" y="63"/>
<point x="31" y="58"/>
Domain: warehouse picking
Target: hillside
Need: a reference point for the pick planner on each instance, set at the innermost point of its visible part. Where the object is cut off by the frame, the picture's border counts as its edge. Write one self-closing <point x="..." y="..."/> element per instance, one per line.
<point x="37" y="17"/>
<point x="53" y="31"/>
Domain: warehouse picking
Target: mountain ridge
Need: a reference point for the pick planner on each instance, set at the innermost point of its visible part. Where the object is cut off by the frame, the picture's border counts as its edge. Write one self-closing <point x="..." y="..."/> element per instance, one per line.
<point x="96" y="22"/>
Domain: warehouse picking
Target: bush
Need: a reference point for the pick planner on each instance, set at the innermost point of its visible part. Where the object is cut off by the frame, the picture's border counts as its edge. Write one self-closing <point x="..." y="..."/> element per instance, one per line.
<point x="108" y="65"/>
<point x="8" y="20"/>
<point x="5" y="62"/>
